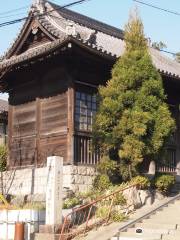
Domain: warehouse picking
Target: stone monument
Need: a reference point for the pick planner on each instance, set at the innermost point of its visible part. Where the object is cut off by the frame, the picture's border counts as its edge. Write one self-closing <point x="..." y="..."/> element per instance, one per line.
<point x="54" y="190"/>
<point x="53" y="199"/>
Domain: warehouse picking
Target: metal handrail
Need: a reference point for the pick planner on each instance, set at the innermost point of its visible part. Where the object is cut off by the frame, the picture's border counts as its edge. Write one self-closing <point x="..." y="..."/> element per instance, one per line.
<point x="66" y="224"/>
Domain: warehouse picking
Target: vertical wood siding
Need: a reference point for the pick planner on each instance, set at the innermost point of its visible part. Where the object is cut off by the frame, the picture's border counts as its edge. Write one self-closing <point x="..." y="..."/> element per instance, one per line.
<point x="39" y="129"/>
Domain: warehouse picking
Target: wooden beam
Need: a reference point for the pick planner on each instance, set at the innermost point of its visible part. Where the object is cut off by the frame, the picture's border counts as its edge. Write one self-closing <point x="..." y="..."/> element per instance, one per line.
<point x="10" y="129"/>
<point x="38" y="126"/>
<point x="70" y="135"/>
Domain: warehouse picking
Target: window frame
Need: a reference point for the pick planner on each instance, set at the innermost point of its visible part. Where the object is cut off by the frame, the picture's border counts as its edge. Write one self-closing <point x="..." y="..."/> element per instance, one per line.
<point x="85" y="108"/>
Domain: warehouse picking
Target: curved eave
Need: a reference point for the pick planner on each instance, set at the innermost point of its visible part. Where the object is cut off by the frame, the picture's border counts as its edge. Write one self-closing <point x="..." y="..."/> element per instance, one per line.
<point x="169" y="74"/>
<point x="50" y="49"/>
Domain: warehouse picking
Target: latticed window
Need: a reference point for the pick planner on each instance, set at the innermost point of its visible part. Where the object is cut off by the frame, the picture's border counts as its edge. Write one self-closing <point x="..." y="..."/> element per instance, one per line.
<point x="85" y="109"/>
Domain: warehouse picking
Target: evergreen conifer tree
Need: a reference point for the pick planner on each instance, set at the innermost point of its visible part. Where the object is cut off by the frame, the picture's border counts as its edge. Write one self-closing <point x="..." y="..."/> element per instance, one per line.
<point x="133" y="121"/>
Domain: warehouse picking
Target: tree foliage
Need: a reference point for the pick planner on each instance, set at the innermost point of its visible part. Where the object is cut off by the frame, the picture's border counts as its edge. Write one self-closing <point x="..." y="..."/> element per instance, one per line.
<point x="159" y="45"/>
<point x="177" y="57"/>
<point x="3" y="157"/>
<point x="133" y="121"/>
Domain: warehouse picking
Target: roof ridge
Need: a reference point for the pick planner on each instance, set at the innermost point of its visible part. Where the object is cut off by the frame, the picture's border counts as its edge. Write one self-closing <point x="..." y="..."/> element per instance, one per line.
<point x="88" y="21"/>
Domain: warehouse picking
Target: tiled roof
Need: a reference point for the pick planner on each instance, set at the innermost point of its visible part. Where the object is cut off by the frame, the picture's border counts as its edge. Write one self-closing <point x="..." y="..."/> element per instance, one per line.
<point x="165" y="64"/>
<point x="87" y="21"/>
<point x="62" y="23"/>
<point x="48" y="48"/>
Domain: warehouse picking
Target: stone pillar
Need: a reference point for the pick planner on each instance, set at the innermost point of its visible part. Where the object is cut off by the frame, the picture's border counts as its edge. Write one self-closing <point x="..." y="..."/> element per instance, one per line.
<point x="54" y="191"/>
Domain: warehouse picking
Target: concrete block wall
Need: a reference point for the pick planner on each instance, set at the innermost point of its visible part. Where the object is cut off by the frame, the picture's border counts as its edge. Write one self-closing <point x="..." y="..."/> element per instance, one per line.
<point x="78" y="178"/>
<point x="34" y="181"/>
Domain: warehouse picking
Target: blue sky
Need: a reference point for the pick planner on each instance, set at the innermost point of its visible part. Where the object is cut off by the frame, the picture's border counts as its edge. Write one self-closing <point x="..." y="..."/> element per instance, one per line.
<point x="159" y="26"/>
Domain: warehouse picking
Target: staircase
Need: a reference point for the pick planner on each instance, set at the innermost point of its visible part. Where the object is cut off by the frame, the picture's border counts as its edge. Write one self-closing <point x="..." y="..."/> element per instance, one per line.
<point x="164" y="224"/>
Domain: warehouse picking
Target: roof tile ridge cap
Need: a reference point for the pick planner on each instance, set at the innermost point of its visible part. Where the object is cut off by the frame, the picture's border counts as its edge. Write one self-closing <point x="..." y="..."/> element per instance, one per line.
<point x="40" y="5"/>
<point x="51" y="21"/>
<point x="86" y="18"/>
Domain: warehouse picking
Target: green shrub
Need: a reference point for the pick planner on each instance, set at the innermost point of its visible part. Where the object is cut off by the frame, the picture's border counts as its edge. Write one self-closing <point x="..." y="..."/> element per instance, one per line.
<point x="141" y="181"/>
<point x="71" y="202"/>
<point x="164" y="183"/>
<point x="124" y="170"/>
<point x="119" y="199"/>
<point x="115" y="216"/>
<point x="106" y="166"/>
<point x="102" y="212"/>
<point x="84" y="195"/>
<point x="101" y="182"/>
<point x="89" y="196"/>
<point x="3" y="157"/>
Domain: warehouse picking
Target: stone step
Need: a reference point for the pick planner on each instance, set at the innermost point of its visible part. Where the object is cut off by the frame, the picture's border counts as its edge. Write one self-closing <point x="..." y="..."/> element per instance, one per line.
<point x="46" y="236"/>
<point x="156" y="225"/>
<point x="131" y="235"/>
<point x="174" y="231"/>
<point x="149" y="230"/>
<point x="161" y="220"/>
<point x="171" y="237"/>
<point x="167" y="214"/>
<point x="134" y="238"/>
<point x="173" y="209"/>
<point x="169" y="211"/>
<point x="174" y="205"/>
<point x="178" y="226"/>
<point x="167" y="218"/>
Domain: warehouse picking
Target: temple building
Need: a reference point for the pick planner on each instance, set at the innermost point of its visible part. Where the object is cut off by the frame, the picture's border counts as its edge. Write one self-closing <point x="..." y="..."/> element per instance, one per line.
<point x="52" y="72"/>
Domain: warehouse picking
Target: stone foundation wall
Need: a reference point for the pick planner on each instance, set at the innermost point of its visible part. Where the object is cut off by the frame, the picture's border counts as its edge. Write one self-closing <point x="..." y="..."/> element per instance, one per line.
<point x="34" y="181"/>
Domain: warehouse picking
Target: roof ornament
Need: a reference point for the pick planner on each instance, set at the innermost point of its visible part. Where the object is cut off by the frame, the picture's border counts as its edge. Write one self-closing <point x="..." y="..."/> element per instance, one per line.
<point x="37" y="2"/>
<point x="71" y="30"/>
<point x="40" y="4"/>
<point x="92" y="37"/>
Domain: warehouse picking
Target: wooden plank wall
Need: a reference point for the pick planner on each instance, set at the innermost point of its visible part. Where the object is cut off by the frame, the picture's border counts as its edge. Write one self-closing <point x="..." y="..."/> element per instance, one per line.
<point x="38" y="129"/>
<point x="53" y="126"/>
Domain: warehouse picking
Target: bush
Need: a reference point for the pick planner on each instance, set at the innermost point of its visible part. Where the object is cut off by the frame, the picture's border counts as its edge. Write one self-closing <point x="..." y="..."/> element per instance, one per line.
<point x="164" y="183"/>
<point x="111" y="168"/>
<point x="106" y="166"/>
<point x="115" y="216"/>
<point x="71" y="202"/>
<point x="101" y="182"/>
<point x="124" y="170"/>
<point x="119" y="199"/>
<point x="3" y="157"/>
<point x="141" y="181"/>
<point x="102" y="212"/>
